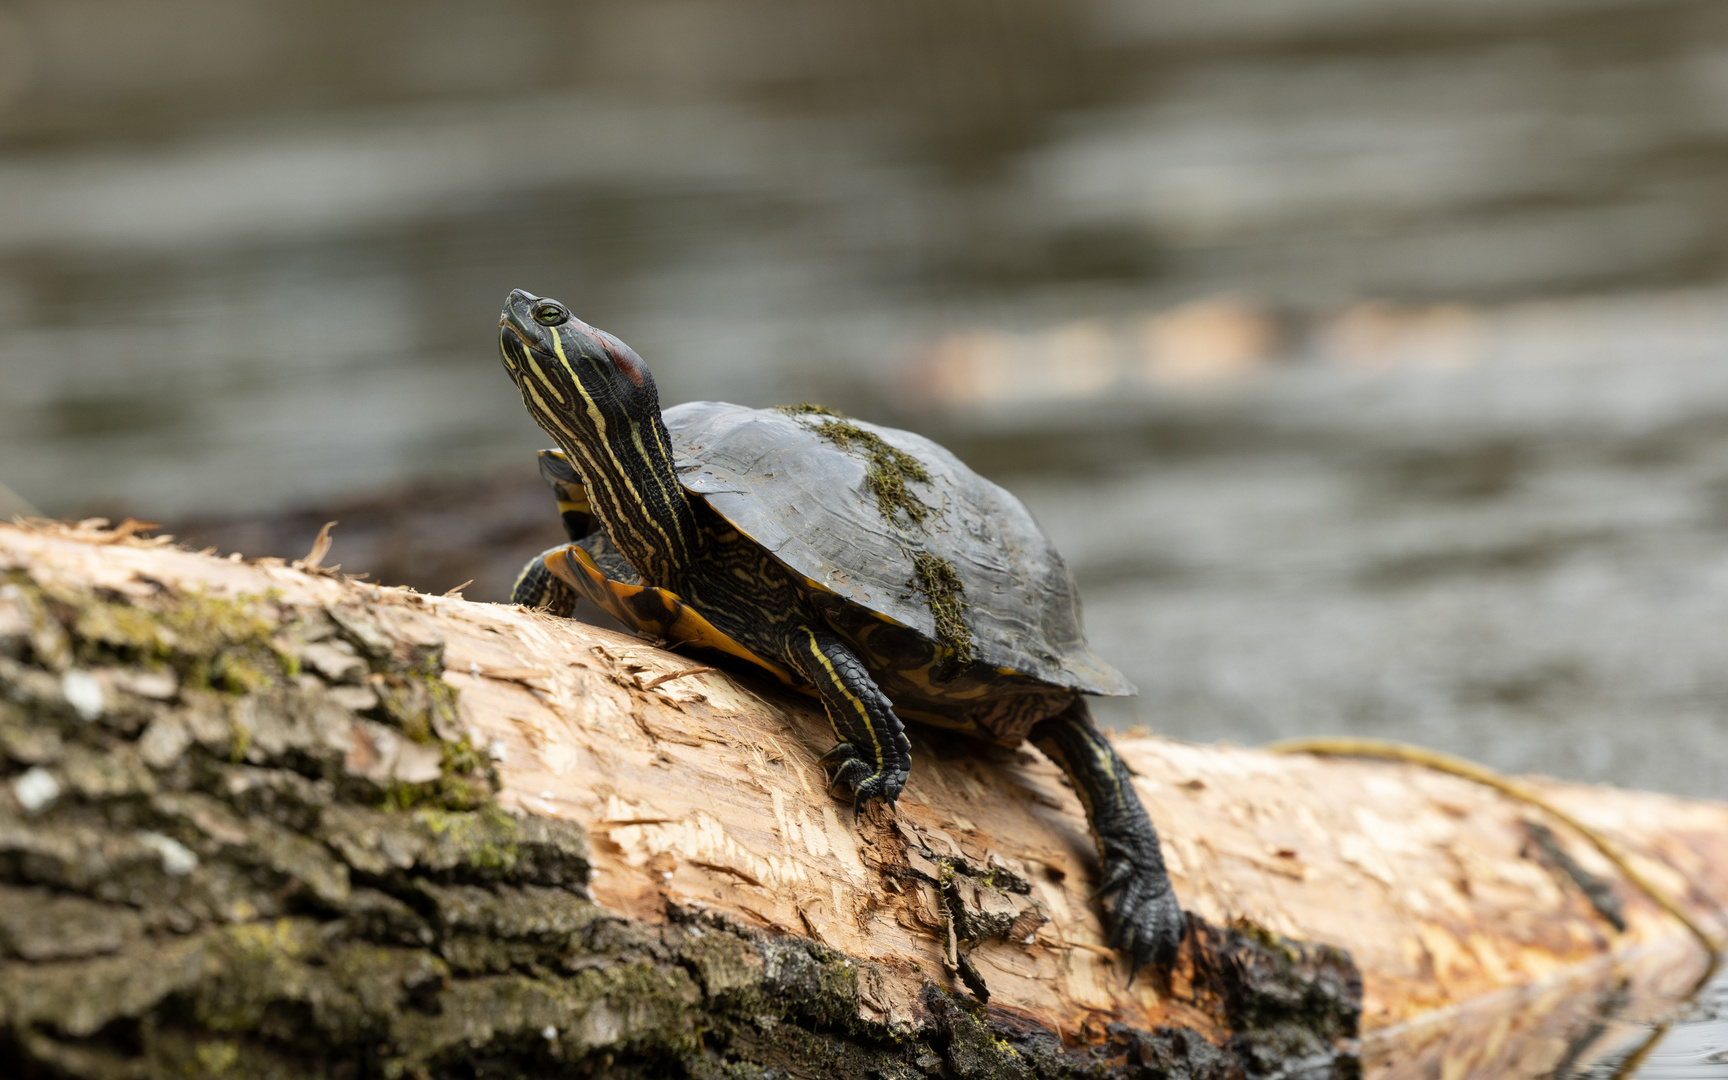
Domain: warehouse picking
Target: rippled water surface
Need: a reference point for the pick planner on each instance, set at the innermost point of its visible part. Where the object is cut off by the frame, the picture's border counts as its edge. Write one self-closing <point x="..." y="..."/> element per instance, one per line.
<point x="1693" y="1047"/>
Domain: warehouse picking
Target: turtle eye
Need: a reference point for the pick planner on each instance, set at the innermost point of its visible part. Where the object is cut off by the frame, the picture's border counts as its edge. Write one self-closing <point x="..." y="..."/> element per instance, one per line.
<point x="547" y="313"/>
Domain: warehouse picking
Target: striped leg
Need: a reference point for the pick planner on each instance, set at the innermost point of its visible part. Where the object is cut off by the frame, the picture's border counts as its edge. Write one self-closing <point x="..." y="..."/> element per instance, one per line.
<point x="1148" y="922"/>
<point x="571" y="493"/>
<point x="537" y="587"/>
<point x="873" y="757"/>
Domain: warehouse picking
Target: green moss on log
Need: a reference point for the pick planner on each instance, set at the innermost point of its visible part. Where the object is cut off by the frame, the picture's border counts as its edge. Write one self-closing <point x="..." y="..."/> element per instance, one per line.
<point x="219" y="642"/>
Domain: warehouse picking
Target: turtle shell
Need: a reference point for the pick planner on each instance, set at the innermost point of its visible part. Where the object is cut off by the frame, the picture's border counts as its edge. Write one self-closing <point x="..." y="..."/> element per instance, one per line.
<point x="781" y="483"/>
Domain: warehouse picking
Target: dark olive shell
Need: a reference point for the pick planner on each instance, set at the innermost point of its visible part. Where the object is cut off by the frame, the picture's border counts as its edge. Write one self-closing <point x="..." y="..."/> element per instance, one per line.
<point x="776" y="479"/>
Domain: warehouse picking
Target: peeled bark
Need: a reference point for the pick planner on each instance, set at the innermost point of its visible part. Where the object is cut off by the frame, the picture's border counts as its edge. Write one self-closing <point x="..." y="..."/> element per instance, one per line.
<point x="263" y="819"/>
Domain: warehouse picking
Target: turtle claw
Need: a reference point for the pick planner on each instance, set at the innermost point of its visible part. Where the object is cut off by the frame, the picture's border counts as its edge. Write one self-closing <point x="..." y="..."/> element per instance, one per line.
<point x="1117" y="873"/>
<point x="1147" y="922"/>
<point x="853" y="777"/>
<point x="849" y="779"/>
<point x="842" y="751"/>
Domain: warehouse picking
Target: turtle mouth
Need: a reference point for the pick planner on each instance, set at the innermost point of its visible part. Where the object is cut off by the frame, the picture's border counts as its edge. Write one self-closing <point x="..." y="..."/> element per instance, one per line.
<point x="507" y="328"/>
<point x="517" y="349"/>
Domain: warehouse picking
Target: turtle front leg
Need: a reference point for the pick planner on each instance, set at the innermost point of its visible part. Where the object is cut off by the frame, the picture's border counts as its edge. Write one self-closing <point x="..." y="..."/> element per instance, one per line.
<point x="1148" y="923"/>
<point x="873" y="757"/>
<point x="537" y="587"/>
<point x="570" y="491"/>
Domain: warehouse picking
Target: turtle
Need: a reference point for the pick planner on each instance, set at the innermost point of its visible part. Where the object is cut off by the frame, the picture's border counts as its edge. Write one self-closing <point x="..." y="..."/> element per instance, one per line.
<point x="864" y="565"/>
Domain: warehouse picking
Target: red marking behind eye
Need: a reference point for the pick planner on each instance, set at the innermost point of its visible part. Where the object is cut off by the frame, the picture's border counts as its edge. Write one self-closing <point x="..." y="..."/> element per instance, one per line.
<point x="622" y="356"/>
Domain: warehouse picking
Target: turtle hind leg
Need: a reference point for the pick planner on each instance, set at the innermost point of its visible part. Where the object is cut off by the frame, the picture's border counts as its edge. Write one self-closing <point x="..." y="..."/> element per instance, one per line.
<point x="873" y="757"/>
<point x="1147" y="922"/>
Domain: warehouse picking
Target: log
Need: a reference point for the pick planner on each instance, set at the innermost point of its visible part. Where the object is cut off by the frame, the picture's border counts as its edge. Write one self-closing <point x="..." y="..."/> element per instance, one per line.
<point x="261" y="818"/>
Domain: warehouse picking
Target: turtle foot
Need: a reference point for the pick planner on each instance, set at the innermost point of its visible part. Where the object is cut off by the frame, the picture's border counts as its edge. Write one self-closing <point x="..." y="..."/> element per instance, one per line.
<point x="852" y="777"/>
<point x="1147" y="923"/>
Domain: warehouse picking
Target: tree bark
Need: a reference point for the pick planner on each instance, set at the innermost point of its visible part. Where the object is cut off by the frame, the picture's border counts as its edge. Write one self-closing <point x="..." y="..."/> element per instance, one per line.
<point x="262" y="819"/>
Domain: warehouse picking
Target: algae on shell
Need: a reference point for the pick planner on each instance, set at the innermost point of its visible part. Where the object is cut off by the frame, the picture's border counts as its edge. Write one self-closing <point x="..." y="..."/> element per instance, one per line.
<point x="888" y="470"/>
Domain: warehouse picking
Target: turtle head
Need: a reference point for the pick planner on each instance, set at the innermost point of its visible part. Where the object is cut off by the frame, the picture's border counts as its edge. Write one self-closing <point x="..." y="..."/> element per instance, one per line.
<point x="577" y="381"/>
<point x="594" y="396"/>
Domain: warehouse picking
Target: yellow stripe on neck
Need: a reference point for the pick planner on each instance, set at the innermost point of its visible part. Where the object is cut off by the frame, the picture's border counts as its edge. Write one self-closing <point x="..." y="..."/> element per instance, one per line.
<point x="675" y="550"/>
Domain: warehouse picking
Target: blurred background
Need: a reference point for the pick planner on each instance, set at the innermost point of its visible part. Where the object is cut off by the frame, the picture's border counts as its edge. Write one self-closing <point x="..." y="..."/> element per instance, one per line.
<point x="1368" y="359"/>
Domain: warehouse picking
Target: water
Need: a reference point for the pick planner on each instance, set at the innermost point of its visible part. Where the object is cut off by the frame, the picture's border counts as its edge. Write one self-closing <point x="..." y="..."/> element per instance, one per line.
<point x="1693" y="1047"/>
